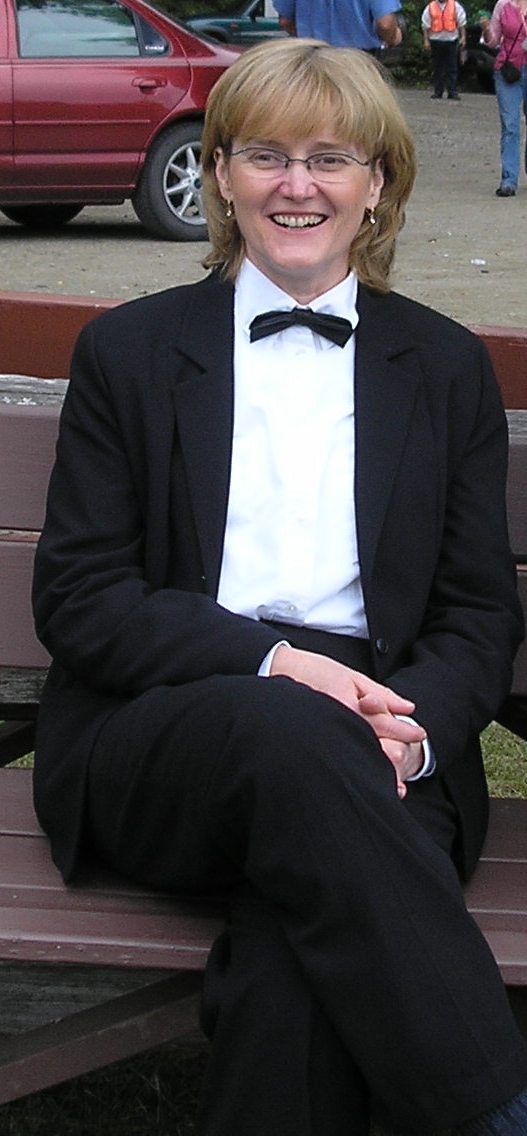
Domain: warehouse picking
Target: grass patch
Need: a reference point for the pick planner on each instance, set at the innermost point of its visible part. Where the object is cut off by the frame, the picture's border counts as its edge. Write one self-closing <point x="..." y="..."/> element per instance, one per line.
<point x="505" y="757"/>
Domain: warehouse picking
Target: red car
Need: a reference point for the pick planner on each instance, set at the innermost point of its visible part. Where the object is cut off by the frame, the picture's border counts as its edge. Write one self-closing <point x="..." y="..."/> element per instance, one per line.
<point x="100" y="102"/>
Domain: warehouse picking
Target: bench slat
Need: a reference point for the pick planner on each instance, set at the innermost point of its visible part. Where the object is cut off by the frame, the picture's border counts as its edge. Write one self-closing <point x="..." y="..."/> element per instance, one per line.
<point x="17" y="814"/>
<point x="499" y="886"/>
<point x="19" y="646"/>
<point x="20" y="690"/>
<point x="516" y="483"/>
<point x="508" y="947"/>
<point x="164" y="941"/>
<point x="507" y="834"/>
<point x="27" y="444"/>
<point x="519" y="681"/>
<point x="40" y="331"/>
<point x="507" y="347"/>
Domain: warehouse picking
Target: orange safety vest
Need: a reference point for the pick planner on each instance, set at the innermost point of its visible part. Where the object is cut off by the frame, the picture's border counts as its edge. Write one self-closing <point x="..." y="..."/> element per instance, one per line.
<point x="443" y="19"/>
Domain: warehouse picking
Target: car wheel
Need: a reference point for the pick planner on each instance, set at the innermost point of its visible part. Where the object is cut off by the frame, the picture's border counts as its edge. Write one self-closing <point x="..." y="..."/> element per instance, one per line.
<point x="168" y="199"/>
<point x="41" y="216"/>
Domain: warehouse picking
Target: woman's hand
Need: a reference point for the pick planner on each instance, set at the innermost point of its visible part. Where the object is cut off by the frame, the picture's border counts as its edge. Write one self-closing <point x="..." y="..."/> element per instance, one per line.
<point x="406" y="758"/>
<point x="375" y="703"/>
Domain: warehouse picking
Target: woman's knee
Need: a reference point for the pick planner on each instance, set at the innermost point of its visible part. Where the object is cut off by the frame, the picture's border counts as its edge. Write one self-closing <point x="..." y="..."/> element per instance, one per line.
<point x="284" y="733"/>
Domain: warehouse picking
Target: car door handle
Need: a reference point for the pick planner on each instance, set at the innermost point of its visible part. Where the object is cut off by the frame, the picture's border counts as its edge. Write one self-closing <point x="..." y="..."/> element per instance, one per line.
<point x="148" y="84"/>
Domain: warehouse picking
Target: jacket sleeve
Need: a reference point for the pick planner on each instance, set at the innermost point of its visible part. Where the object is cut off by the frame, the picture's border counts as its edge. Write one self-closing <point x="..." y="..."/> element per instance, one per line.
<point x="95" y="612"/>
<point x="461" y="661"/>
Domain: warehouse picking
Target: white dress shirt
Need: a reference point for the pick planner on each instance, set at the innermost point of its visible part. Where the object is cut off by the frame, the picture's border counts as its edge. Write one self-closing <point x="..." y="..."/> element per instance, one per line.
<point x="290" y="549"/>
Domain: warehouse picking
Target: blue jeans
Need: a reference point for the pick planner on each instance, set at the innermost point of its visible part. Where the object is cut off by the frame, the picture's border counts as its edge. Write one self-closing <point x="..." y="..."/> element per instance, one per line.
<point x="511" y="97"/>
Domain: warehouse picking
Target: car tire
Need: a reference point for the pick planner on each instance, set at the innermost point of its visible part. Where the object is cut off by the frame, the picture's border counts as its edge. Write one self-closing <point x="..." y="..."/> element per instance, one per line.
<point x="41" y="216"/>
<point x="168" y="199"/>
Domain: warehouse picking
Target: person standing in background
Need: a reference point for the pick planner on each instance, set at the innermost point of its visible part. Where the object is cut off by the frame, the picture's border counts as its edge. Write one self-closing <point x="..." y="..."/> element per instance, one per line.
<point x="507" y="29"/>
<point x="343" y="23"/>
<point x="444" y="23"/>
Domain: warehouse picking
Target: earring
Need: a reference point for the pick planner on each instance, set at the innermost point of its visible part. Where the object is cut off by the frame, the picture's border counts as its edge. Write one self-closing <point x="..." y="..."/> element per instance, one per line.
<point x="229" y="211"/>
<point x="371" y="216"/>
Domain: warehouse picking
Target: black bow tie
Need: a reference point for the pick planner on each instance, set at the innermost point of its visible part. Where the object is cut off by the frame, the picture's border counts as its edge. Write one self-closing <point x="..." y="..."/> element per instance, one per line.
<point x="331" y="327"/>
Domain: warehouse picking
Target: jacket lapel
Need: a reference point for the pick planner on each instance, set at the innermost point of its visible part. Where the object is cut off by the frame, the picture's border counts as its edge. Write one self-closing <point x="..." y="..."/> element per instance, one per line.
<point x="387" y="381"/>
<point x="203" y="397"/>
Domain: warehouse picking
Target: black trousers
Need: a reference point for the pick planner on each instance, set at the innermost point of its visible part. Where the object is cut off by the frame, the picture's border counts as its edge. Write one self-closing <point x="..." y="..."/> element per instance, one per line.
<point x="350" y="983"/>
<point x="444" y="65"/>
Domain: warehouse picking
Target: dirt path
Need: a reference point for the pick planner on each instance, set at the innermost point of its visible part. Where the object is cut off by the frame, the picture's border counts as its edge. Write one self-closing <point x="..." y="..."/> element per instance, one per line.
<point x="463" y="250"/>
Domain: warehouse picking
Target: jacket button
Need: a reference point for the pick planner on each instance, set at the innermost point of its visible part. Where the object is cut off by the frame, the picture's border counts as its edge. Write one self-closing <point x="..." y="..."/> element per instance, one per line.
<point x="381" y="646"/>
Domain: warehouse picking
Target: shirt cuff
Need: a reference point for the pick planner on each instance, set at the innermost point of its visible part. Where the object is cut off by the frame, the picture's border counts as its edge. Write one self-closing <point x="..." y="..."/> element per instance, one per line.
<point x="429" y="762"/>
<point x="264" y="670"/>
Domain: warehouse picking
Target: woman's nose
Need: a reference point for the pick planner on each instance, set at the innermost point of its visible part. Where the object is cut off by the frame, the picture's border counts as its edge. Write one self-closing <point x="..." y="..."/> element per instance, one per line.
<point x="298" y="181"/>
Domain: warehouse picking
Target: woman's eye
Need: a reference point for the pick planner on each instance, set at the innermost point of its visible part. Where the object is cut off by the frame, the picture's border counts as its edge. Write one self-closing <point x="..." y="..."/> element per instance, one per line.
<point x="266" y="158"/>
<point x="330" y="161"/>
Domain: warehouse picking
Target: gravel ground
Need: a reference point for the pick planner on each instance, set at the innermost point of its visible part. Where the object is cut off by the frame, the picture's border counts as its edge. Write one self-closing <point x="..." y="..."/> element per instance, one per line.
<point x="463" y="250"/>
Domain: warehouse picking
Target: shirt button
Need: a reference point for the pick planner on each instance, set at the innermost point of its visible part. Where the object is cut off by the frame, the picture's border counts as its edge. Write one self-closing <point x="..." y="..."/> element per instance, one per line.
<point x="381" y="646"/>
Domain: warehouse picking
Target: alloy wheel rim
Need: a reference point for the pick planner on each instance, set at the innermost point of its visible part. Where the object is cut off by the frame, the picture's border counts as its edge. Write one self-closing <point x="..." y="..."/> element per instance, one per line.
<point x="183" y="186"/>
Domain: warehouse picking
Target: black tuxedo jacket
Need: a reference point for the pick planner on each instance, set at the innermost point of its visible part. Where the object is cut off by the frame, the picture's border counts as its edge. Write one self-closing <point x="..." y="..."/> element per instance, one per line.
<point x="128" y="564"/>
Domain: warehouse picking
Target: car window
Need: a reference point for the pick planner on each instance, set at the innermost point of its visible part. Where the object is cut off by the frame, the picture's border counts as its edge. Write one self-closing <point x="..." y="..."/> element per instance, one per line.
<point x="59" y="28"/>
<point x="152" y="42"/>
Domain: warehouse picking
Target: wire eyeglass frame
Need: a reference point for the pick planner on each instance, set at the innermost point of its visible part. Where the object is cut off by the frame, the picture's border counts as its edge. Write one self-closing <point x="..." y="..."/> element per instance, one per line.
<point x="276" y="161"/>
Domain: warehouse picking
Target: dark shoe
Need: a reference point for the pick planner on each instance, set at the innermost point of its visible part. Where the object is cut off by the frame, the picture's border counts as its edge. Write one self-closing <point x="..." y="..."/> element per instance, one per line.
<point x="436" y="96"/>
<point x="505" y="191"/>
<point x="457" y="98"/>
<point x="509" y="1120"/>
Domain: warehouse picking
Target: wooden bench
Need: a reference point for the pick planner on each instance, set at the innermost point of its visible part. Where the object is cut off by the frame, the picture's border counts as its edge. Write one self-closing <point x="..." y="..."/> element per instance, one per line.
<point x="103" y="970"/>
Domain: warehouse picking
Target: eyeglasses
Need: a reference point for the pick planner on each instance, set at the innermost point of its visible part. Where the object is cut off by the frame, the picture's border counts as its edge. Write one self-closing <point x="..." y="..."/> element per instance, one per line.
<point x="330" y="167"/>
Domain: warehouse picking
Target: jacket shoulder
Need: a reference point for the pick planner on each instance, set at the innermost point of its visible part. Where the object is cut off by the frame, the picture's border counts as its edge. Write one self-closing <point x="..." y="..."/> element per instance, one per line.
<point x="160" y="312"/>
<point x="421" y="324"/>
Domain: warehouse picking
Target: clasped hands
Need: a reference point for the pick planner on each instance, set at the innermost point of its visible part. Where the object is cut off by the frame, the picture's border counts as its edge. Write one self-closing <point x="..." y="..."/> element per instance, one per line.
<point x="378" y="705"/>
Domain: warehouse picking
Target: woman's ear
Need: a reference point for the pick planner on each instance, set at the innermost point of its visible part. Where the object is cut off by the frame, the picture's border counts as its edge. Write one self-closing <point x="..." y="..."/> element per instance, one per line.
<point x="221" y="170"/>
<point x="376" y="183"/>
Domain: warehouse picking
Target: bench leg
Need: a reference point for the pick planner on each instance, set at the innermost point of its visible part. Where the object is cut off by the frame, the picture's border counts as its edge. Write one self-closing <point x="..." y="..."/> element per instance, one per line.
<point x="146" y="1018"/>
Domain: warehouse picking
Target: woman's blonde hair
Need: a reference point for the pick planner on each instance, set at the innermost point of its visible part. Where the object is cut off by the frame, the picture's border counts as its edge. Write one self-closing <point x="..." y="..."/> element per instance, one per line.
<point x="300" y="86"/>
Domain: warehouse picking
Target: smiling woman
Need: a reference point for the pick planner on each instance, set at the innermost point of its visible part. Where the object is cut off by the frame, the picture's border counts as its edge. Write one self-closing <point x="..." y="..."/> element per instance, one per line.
<point x="245" y="129"/>
<point x="276" y="585"/>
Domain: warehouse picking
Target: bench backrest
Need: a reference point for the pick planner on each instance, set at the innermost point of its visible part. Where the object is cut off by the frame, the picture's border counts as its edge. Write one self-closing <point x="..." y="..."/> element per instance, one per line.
<point x="507" y="347"/>
<point x="27" y="441"/>
<point x="37" y="335"/>
<point x="29" y="412"/>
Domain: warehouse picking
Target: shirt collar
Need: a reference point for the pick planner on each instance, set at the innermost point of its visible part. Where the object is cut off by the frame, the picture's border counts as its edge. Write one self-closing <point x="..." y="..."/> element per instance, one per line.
<point x="255" y="293"/>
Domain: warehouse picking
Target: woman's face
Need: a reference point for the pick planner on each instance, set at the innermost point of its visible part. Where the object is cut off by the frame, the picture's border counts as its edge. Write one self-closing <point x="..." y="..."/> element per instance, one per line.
<point x="298" y="229"/>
